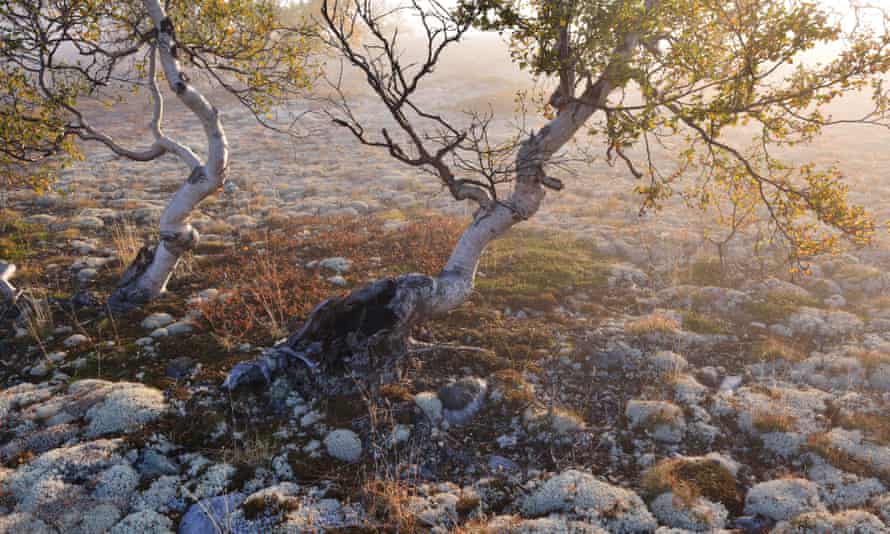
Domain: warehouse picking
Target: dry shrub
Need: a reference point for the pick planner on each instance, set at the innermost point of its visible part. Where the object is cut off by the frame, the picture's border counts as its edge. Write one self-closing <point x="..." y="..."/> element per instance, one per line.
<point x="653" y="324"/>
<point x="874" y="426"/>
<point x="269" y="287"/>
<point x="872" y="359"/>
<point x="772" y="349"/>
<point x="766" y="422"/>
<point x="126" y="243"/>
<point x="691" y="479"/>
<point x="389" y="501"/>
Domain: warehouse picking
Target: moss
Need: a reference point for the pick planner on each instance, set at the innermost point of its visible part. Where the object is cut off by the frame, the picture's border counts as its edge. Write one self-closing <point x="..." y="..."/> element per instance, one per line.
<point x="773" y="349"/>
<point x="778" y="305"/>
<point x="528" y="269"/>
<point x="821" y="444"/>
<point x="875" y="427"/>
<point x="466" y="504"/>
<point x="517" y="393"/>
<point x="766" y="422"/>
<point x="703" y="272"/>
<point x="692" y="478"/>
<point x="268" y="506"/>
<point x="18" y="239"/>
<point x="702" y="324"/>
<point x="871" y="360"/>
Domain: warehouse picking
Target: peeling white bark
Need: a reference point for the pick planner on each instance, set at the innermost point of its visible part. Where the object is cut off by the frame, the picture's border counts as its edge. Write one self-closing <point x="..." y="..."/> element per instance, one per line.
<point x="148" y="276"/>
<point x="346" y="332"/>
<point x="7" y="290"/>
<point x="457" y="279"/>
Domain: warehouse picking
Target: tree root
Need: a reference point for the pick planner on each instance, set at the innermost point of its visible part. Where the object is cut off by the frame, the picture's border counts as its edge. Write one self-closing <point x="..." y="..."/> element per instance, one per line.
<point x="128" y="295"/>
<point x="361" y="335"/>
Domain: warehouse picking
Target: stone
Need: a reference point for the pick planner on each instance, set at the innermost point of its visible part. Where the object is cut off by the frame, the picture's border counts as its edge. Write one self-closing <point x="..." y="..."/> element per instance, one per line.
<point x="125" y="407"/>
<point x="783" y="499"/>
<point x="589" y="499"/>
<point x="180" y="327"/>
<point x="180" y="368"/>
<point x="344" y="445"/>
<point x="462" y="400"/>
<point x="337" y="264"/>
<point x="667" y="362"/>
<point x="701" y="515"/>
<point x="430" y="404"/>
<point x="157" y="320"/>
<point x="664" y="421"/>
<point x="75" y="340"/>
<point x="204" y="516"/>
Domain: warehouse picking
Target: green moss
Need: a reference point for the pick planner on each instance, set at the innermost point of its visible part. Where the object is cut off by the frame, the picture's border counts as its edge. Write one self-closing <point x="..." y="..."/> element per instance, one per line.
<point x="528" y="269"/>
<point x="18" y="238"/>
<point x="702" y="324"/>
<point x="778" y="305"/>
<point x="703" y="272"/>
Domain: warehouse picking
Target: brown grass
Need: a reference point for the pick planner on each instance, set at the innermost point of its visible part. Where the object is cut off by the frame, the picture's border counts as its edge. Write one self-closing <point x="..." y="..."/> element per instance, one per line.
<point x="773" y="349"/>
<point x="389" y="502"/>
<point x="691" y="479"/>
<point x="270" y="288"/>
<point x="871" y="359"/>
<point x="821" y="445"/>
<point x="875" y="427"/>
<point x="126" y="243"/>
<point x="652" y="324"/>
<point x="766" y="422"/>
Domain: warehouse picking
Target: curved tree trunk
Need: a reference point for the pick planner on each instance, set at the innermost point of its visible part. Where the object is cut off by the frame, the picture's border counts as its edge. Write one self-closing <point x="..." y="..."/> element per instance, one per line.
<point x="147" y="277"/>
<point x="364" y="332"/>
<point x="7" y="290"/>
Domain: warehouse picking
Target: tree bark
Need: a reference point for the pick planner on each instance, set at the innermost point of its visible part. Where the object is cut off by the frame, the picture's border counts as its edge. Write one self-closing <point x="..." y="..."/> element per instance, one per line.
<point x="351" y="333"/>
<point x="7" y="290"/>
<point x="365" y="332"/>
<point x="146" y="278"/>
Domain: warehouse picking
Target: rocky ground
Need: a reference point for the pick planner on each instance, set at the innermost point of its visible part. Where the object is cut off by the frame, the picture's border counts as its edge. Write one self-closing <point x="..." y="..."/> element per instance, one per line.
<point x="631" y="384"/>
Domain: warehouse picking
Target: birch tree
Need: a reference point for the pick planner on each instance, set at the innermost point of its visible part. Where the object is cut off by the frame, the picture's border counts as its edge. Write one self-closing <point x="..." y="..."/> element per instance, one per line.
<point x="626" y="74"/>
<point x="59" y="56"/>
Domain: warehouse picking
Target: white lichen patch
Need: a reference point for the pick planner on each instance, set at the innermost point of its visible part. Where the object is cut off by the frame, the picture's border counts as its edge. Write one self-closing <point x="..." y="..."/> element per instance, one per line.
<point x="616" y="509"/>
<point x="344" y="444"/>
<point x="126" y="407"/>
<point x="701" y="515"/>
<point x="846" y="522"/>
<point x="783" y="499"/>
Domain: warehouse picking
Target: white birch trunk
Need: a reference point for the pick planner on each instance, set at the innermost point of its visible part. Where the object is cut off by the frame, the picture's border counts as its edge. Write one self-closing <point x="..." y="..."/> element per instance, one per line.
<point x="7" y="290"/>
<point x="147" y="277"/>
<point x="381" y="315"/>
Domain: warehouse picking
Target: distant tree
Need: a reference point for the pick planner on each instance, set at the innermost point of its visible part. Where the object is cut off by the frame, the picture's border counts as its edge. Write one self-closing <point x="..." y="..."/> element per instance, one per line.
<point x="59" y="56"/>
<point x="630" y="74"/>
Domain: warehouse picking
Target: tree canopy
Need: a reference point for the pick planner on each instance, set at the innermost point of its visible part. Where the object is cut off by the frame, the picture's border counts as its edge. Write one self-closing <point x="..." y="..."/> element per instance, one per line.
<point x="703" y="69"/>
<point x="57" y="55"/>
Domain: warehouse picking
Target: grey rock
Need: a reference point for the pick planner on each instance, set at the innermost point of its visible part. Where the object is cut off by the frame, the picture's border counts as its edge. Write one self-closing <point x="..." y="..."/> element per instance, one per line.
<point x="203" y="516"/>
<point x="463" y="399"/>
<point x="180" y="368"/>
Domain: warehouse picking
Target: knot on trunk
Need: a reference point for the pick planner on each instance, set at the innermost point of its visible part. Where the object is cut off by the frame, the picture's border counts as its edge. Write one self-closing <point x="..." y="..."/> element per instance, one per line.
<point x="178" y="243"/>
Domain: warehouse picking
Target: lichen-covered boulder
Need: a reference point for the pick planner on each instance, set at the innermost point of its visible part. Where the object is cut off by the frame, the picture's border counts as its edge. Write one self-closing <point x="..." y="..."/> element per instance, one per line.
<point x="126" y="407"/>
<point x="701" y="515"/>
<point x="344" y="444"/>
<point x="585" y="497"/>
<point x="846" y="522"/>
<point x="783" y="499"/>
